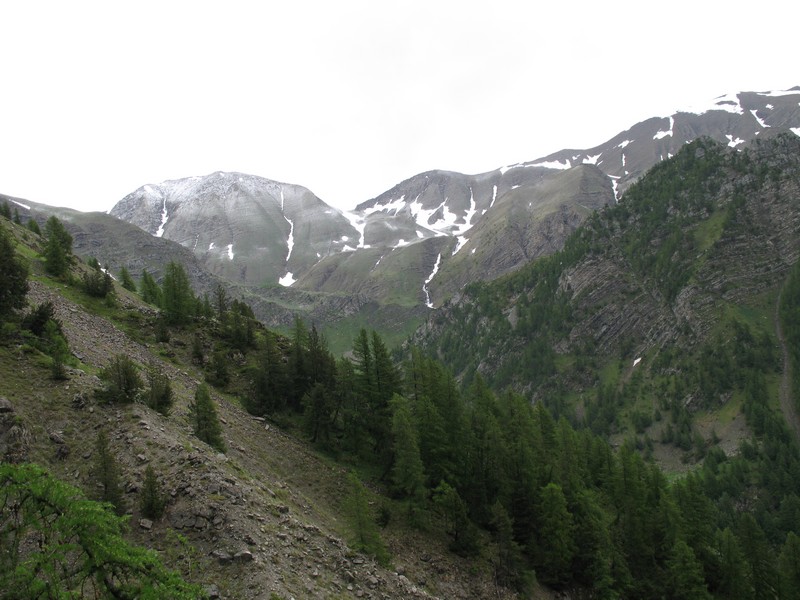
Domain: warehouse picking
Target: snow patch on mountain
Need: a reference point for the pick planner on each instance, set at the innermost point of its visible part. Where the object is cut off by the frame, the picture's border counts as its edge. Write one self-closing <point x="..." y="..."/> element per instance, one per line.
<point x="287" y="280"/>
<point x="662" y="134"/>
<point x="553" y="164"/>
<point x="591" y="160"/>
<point x="494" y="196"/>
<point x="795" y="130"/>
<point x="734" y="142"/>
<point x="428" y="302"/>
<point x="728" y="103"/>
<point x="25" y="206"/>
<point x="758" y="119"/>
<point x="615" y="186"/>
<point x="776" y="93"/>
<point x="230" y="251"/>
<point x="290" y="239"/>
<point x="164" y="217"/>
<point x="461" y="241"/>
<point x="395" y="205"/>
<point x="359" y="223"/>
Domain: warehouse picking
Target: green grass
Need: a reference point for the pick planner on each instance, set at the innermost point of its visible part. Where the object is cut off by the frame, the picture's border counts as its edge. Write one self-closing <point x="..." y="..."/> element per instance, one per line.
<point x="708" y="232"/>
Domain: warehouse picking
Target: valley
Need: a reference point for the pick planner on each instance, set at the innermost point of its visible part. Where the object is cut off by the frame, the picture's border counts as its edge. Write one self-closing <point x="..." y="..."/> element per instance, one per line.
<point x="574" y="377"/>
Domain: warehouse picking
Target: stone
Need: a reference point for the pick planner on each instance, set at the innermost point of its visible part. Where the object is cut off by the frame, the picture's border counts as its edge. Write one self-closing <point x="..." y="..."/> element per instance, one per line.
<point x="222" y="557"/>
<point x="212" y="592"/>
<point x="5" y="405"/>
<point x="243" y="556"/>
<point x="146" y="524"/>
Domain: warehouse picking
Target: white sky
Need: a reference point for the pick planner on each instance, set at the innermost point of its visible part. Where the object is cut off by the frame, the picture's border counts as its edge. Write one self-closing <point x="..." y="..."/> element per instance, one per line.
<point x="347" y="97"/>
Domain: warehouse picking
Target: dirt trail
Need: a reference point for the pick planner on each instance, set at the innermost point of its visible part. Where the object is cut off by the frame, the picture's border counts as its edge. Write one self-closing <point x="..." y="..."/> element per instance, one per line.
<point x="787" y="403"/>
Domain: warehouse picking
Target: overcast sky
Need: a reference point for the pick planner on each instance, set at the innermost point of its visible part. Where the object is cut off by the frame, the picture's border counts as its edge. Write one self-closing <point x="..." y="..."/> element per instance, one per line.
<point x="348" y="98"/>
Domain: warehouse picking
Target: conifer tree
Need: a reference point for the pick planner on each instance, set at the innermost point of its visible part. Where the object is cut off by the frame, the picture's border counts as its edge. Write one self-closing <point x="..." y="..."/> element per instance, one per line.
<point x="5" y="210"/>
<point x="17" y="220"/>
<point x="457" y="522"/>
<point x="122" y="380"/>
<point x="177" y="297"/>
<point x="106" y="474"/>
<point x="62" y="545"/>
<point x="733" y="572"/>
<point x="149" y="289"/>
<point x="789" y="565"/>
<point x="269" y="382"/>
<point x="366" y="537"/>
<point x="34" y="226"/>
<point x="13" y="277"/>
<point x="58" y="248"/>
<point x="408" y="474"/>
<point x="204" y="419"/>
<point x="58" y="349"/>
<point x="509" y="565"/>
<point x="555" y="547"/>
<point x="151" y="499"/>
<point x="126" y="280"/>
<point x="685" y="575"/>
<point x="317" y="414"/>
<point x="159" y="394"/>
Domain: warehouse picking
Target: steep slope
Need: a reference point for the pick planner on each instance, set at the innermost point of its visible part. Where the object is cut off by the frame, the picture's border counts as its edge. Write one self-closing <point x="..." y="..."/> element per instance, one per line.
<point x="263" y="520"/>
<point x="654" y="286"/>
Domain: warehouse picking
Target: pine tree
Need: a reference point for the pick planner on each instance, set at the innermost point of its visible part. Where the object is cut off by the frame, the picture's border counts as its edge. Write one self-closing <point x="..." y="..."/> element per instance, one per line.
<point x="789" y="565"/>
<point x="13" y="277"/>
<point x="34" y="226"/>
<point x="204" y="418"/>
<point x="151" y="500"/>
<point x="408" y="474"/>
<point x="685" y="575"/>
<point x="126" y="280"/>
<point x="457" y="523"/>
<point x="221" y="301"/>
<point x="317" y="414"/>
<point x="122" y="380"/>
<point x="17" y="220"/>
<point x="366" y="537"/>
<point x="269" y="381"/>
<point x="298" y="363"/>
<point x="509" y="565"/>
<point x="62" y="545"/>
<point x="58" y="248"/>
<point x="58" y="349"/>
<point x="5" y="210"/>
<point x="733" y="576"/>
<point x="106" y="474"/>
<point x="177" y="297"/>
<point x="159" y="394"/>
<point x="555" y="547"/>
<point x="149" y="289"/>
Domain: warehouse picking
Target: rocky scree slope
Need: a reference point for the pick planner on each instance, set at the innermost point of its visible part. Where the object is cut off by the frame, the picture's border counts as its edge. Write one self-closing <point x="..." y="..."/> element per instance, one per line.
<point x="263" y="520"/>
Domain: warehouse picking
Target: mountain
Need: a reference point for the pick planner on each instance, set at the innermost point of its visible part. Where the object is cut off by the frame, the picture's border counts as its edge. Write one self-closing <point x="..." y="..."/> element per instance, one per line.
<point x="651" y="300"/>
<point x="420" y="242"/>
<point x="248" y="229"/>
